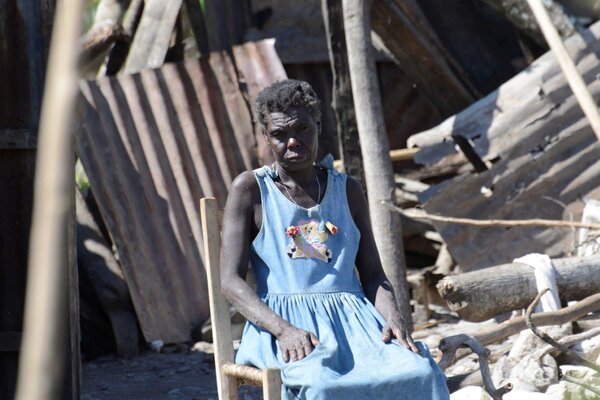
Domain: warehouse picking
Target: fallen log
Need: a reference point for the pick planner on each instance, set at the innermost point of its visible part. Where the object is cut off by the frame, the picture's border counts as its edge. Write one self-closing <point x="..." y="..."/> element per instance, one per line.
<point x="480" y="295"/>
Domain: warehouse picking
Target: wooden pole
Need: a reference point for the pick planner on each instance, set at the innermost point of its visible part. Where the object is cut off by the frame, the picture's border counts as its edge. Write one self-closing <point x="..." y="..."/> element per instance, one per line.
<point x="375" y="150"/>
<point x="41" y="364"/>
<point x="567" y="65"/>
<point x="342" y="104"/>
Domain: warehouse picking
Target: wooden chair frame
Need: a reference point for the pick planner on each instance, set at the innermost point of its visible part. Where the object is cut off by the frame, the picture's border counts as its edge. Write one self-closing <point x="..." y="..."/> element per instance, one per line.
<point x="230" y="376"/>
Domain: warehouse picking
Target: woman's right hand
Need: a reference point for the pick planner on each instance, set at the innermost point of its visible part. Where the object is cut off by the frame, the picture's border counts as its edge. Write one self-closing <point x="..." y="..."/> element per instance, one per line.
<point x="296" y="343"/>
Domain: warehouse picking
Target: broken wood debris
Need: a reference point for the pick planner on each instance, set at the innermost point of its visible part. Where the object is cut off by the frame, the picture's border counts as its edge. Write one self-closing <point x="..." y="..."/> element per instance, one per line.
<point x="485" y="293"/>
<point x="550" y="340"/>
<point x="541" y="153"/>
<point x="450" y="345"/>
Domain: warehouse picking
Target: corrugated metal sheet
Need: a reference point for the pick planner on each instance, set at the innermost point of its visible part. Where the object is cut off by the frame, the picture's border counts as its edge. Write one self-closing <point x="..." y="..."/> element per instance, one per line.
<point x="258" y="66"/>
<point x="153" y="144"/>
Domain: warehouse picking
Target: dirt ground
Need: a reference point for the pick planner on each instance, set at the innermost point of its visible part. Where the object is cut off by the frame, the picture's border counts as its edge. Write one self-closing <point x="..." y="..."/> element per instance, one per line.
<point x="185" y="375"/>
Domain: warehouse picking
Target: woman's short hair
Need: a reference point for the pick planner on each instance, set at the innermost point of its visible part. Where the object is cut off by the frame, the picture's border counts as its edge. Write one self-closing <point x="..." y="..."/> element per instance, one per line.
<point x="281" y="95"/>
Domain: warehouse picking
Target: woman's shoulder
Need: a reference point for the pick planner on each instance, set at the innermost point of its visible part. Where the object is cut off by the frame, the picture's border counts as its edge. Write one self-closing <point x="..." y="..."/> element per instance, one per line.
<point x="245" y="186"/>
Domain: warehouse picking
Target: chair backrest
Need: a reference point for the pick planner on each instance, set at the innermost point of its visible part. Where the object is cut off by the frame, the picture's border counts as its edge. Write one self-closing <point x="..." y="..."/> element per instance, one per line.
<point x="219" y="306"/>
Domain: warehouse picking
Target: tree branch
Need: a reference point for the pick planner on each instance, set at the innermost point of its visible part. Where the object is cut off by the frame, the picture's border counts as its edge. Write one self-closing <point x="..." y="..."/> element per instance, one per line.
<point x="449" y="345"/>
<point x="493" y="222"/>
<point x="548" y="339"/>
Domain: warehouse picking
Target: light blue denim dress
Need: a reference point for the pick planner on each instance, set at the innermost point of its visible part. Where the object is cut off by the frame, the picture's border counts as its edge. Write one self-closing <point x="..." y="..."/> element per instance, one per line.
<point x="303" y="261"/>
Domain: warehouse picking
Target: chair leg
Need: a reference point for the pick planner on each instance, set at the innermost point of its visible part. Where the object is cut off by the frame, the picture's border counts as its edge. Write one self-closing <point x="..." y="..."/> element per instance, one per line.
<point x="229" y="388"/>
<point x="271" y="384"/>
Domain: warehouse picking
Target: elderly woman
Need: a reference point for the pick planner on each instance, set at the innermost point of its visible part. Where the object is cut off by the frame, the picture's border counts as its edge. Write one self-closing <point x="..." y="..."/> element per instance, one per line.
<point x="304" y="228"/>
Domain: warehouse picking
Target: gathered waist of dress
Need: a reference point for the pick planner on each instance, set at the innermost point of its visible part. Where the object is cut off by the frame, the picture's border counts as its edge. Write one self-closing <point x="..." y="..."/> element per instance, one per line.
<point x="315" y="293"/>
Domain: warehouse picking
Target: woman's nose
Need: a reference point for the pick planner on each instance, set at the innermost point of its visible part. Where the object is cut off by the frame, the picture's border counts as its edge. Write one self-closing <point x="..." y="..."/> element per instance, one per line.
<point x="293" y="142"/>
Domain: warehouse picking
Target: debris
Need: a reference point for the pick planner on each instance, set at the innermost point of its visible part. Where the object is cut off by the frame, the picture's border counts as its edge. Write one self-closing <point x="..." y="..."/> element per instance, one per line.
<point x="550" y="340"/>
<point x="542" y="156"/>
<point x="156" y="345"/>
<point x="450" y="345"/>
<point x="482" y="294"/>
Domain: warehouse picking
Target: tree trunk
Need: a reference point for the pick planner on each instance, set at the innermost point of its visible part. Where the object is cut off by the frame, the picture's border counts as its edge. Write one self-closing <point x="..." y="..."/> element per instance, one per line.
<point x="375" y="150"/>
<point x="480" y="295"/>
<point x="342" y="103"/>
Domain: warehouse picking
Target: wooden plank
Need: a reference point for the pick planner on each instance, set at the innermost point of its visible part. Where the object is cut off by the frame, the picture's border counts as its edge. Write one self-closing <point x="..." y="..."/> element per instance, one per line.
<point x="18" y="139"/>
<point x="74" y="370"/>
<point x="153" y="35"/>
<point x="583" y="96"/>
<point x="10" y="341"/>
<point x="219" y="307"/>
<point x="342" y="102"/>
<point x="271" y="384"/>
<point x="413" y="43"/>
<point x="485" y="63"/>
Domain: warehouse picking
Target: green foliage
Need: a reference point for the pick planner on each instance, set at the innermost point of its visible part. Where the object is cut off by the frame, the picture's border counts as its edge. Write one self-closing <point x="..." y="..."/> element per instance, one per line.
<point x="89" y="13"/>
<point x="580" y="391"/>
<point x="81" y="179"/>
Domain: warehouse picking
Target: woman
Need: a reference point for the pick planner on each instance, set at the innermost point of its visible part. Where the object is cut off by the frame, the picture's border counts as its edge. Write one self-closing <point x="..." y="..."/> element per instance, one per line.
<point x="304" y="228"/>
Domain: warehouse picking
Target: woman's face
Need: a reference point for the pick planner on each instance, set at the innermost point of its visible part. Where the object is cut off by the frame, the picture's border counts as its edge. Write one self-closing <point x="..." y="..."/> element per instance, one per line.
<point x="293" y="137"/>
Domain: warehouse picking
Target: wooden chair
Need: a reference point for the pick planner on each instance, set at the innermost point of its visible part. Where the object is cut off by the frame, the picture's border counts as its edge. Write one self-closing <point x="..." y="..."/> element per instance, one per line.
<point x="230" y="376"/>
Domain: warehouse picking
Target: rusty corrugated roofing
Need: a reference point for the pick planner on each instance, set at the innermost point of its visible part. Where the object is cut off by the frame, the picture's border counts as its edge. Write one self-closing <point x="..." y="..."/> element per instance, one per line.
<point x="153" y="144"/>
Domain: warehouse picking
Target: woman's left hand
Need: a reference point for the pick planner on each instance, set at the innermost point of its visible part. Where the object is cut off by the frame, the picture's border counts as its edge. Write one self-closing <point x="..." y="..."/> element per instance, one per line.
<point x="395" y="328"/>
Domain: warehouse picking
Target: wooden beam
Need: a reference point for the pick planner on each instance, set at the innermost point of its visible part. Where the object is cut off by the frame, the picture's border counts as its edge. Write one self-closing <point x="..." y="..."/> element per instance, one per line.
<point x="342" y="103"/>
<point x="395" y="155"/>
<point x="589" y="107"/>
<point x="407" y="35"/>
<point x="153" y="35"/>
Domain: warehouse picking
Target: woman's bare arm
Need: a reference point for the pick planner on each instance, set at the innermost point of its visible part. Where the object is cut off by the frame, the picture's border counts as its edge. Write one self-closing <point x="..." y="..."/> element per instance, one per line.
<point x="375" y="284"/>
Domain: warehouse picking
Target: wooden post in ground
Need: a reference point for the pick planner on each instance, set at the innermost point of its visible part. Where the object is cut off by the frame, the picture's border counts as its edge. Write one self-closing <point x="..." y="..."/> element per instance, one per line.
<point x="342" y="104"/>
<point x="582" y="94"/>
<point x="42" y="360"/>
<point x="375" y="150"/>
